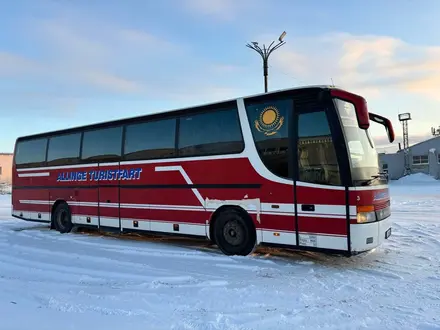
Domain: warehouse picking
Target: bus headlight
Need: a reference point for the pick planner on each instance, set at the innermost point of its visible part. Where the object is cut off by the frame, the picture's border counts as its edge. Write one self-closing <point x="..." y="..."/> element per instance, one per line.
<point x="365" y="214"/>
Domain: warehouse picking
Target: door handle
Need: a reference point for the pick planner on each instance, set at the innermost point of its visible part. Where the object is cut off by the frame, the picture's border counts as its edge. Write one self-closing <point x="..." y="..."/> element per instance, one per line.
<point x="308" y="207"/>
<point x="108" y="201"/>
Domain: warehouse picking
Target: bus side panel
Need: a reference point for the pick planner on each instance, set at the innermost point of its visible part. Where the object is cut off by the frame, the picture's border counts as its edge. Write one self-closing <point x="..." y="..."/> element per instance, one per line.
<point x="108" y="193"/>
<point x="169" y="193"/>
<point x="200" y="184"/>
<point x="161" y="197"/>
<point x="61" y="189"/>
<point x="87" y="194"/>
<point x="87" y="211"/>
<point x="278" y="213"/>
<point x="31" y="204"/>
<point x="177" y="192"/>
<point x="30" y="198"/>
<point x="322" y="219"/>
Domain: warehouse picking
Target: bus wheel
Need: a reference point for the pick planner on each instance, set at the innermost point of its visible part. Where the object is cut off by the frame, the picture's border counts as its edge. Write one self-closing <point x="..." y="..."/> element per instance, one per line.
<point x="234" y="233"/>
<point x="62" y="218"/>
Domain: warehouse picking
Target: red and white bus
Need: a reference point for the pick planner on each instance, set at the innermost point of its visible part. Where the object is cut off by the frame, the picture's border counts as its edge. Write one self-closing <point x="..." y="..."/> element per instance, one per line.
<point x="294" y="168"/>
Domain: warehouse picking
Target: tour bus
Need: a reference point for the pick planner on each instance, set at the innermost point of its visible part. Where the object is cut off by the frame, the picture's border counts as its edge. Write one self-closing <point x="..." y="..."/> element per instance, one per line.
<point x="294" y="168"/>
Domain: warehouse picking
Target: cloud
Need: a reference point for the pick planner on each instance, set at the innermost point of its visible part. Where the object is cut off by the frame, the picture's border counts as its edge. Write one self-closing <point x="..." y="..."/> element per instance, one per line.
<point x="224" y="68"/>
<point x="15" y="65"/>
<point x="146" y="42"/>
<point x="40" y="105"/>
<point x="112" y="82"/>
<point x="365" y="63"/>
<point x="104" y="56"/>
<point x="96" y="58"/>
<point x="224" y="10"/>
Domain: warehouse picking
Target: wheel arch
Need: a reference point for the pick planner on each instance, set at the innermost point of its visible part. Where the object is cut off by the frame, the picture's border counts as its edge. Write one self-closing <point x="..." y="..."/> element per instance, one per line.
<point x="227" y="207"/>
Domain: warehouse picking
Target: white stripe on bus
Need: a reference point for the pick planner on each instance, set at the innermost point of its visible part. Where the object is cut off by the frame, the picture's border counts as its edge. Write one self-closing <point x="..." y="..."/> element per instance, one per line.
<point x="329" y="241"/>
<point x="325" y="211"/>
<point x="29" y="175"/>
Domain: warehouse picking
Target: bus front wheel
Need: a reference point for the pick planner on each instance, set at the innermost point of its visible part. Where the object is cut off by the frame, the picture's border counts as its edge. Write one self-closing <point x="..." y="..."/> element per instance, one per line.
<point x="234" y="233"/>
<point x="62" y="218"/>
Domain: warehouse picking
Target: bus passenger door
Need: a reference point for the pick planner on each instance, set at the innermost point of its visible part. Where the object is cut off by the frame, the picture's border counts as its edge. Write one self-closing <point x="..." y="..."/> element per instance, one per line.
<point x="320" y="196"/>
<point x="108" y="178"/>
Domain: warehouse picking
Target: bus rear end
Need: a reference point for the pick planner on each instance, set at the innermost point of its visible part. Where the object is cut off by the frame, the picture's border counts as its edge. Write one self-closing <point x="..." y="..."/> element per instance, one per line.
<point x="369" y="199"/>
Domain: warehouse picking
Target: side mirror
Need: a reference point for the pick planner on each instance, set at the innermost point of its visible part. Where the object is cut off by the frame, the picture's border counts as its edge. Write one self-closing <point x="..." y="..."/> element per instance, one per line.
<point x="385" y="122"/>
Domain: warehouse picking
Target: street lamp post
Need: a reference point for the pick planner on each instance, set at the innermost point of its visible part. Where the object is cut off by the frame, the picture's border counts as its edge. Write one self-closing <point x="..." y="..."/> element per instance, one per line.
<point x="265" y="52"/>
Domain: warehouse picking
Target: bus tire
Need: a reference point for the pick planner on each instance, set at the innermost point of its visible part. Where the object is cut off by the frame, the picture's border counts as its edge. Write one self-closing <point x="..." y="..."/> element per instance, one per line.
<point x="234" y="232"/>
<point x="62" y="218"/>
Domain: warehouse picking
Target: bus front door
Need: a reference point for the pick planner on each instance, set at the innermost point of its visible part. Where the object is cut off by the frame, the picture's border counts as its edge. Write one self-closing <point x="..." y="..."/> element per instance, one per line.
<point x="321" y="219"/>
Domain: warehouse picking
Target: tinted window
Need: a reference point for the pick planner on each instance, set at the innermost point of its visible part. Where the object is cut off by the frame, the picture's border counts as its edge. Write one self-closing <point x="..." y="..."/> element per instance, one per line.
<point x="149" y="140"/>
<point x="32" y="153"/>
<point x="102" y="144"/>
<point x="269" y="123"/>
<point x="64" y="149"/>
<point x="210" y="133"/>
<point x="317" y="161"/>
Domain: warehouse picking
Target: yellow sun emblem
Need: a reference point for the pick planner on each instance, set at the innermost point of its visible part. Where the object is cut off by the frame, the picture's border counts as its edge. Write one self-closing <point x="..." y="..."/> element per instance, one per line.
<point x="269" y="121"/>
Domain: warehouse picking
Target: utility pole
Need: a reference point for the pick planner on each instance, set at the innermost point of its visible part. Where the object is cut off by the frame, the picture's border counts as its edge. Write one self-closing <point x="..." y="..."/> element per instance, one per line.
<point x="265" y="52"/>
<point x="403" y="118"/>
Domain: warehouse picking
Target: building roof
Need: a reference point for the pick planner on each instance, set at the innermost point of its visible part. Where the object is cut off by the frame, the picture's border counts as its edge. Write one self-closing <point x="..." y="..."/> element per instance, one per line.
<point x="421" y="142"/>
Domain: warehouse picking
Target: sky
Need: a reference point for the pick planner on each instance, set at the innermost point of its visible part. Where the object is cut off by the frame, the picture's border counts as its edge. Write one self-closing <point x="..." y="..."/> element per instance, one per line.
<point x="65" y="63"/>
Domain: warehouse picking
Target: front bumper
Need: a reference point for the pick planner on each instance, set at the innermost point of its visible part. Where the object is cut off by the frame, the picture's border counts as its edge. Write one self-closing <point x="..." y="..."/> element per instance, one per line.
<point x="367" y="236"/>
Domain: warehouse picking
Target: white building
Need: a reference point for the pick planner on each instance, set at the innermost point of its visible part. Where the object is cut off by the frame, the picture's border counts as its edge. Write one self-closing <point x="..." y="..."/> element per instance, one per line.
<point x="423" y="157"/>
<point x="6" y="168"/>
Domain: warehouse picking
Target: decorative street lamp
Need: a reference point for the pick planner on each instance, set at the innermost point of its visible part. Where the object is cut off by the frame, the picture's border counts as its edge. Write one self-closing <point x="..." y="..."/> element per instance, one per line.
<point x="265" y="52"/>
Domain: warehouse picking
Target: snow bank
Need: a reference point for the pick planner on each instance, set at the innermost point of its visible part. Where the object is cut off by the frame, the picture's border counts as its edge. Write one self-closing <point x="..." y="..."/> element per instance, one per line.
<point x="416" y="179"/>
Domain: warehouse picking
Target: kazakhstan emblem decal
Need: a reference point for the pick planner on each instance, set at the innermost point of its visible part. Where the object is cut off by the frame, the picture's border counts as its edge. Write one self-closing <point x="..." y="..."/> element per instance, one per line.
<point x="269" y="121"/>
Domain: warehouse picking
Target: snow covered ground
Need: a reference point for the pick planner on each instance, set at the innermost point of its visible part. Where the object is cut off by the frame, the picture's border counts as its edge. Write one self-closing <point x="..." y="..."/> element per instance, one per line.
<point x="80" y="281"/>
<point x="5" y="189"/>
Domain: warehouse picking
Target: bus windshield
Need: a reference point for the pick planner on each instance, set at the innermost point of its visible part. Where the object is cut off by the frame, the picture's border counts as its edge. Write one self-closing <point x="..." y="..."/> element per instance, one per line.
<point x="364" y="160"/>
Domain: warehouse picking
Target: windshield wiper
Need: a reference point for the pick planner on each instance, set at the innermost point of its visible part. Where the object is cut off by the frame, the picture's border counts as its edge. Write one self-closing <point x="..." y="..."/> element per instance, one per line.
<point x="373" y="178"/>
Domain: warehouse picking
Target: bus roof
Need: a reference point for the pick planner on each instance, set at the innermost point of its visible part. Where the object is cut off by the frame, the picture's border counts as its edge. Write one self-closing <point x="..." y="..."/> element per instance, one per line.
<point x="165" y="112"/>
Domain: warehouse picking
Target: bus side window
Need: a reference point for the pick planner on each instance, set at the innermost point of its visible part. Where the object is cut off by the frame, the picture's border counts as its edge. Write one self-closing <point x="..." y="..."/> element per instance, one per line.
<point x="210" y="133"/>
<point x="269" y="122"/>
<point x="31" y="153"/>
<point x="317" y="162"/>
<point x="103" y="144"/>
<point x="150" y="140"/>
<point x="64" y="149"/>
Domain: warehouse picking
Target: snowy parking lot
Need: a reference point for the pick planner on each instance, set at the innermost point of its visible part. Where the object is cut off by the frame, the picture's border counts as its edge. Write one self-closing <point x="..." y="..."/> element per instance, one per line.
<point x="81" y="281"/>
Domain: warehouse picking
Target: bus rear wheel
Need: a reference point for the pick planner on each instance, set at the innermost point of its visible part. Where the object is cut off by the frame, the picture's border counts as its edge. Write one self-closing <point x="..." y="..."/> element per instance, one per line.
<point x="62" y="218"/>
<point x="234" y="233"/>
